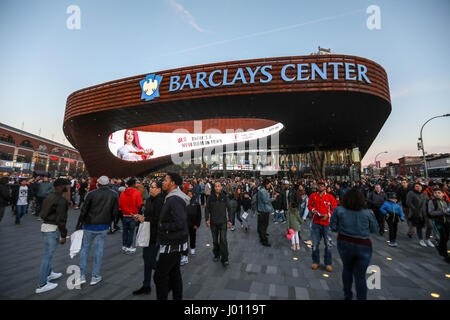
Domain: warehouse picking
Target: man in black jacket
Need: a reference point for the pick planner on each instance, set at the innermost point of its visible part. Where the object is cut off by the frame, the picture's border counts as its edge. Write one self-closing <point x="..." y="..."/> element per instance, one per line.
<point x="172" y="237"/>
<point x="54" y="217"/>
<point x="4" y="196"/>
<point x="97" y="213"/>
<point x="217" y="218"/>
<point x="375" y="201"/>
<point x="153" y="207"/>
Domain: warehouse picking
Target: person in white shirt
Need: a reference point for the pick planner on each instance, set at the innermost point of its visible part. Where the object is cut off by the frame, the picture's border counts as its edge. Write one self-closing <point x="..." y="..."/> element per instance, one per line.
<point x="21" y="198"/>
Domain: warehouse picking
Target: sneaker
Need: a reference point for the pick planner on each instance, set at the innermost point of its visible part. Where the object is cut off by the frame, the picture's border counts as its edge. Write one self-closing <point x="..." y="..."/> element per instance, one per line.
<point x="143" y="290"/>
<point x="192" y="252"/>
<point x="276" y="222"/>
<point x="329" y="268"/>
<point x="48" y="286"/>
<point x="233" y="228"/>
<point x="283" y="222"/>
<point x="422" y="243"/>
<point x="39" y="219"/>
<point x="131" y="250"/>
<point x="80" y="281"/>
<point x="54" y="276"/>
<point x="216" y="259"/>
<point x="225" y="263"/>
<point x="315" y="266"/>
<point x="124" y="249"/>
<point x="95" y="280"/>
<point x="392" y="244"/>
<point x="429" y="243"/>
<point x="184" y="260"/>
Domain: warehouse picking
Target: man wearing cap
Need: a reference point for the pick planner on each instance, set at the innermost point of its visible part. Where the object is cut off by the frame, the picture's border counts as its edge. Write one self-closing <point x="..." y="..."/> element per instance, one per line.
<point x="321" y="204"/>
<point x="54" y="216"/>
<point x="97" y="213"/>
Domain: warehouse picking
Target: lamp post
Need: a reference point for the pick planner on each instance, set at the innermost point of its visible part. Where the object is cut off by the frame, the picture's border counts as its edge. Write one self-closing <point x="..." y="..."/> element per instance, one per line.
<point x="421" y="142"/>
<point x="376" y="158"/>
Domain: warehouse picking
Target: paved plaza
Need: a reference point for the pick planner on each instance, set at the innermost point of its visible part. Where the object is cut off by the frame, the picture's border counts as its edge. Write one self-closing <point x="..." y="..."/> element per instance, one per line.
<point x="255" y="272"/>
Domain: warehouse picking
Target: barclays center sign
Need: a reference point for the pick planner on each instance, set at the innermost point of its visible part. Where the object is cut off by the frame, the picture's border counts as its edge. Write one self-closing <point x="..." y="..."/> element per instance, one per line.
<point x="301" y="72"/>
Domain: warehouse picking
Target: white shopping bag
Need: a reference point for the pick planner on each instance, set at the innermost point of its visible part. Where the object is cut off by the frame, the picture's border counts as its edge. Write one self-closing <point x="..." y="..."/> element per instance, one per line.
<point x="143" y="235"/>
<point x="75" y="243"/>
<point x="245" y="215"/>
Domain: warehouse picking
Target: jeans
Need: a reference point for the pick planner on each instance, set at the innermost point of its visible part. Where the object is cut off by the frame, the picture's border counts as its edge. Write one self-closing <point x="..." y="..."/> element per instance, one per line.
<point x="392" y="221"/>
<point x="192" y="237"/>
<point x="263" y="223"/>
<point x="51" y="240"/>
<point x="38" y="205"/>
<point x="380" y="219"/>
<point x="428" y="228"/>
<point x="236" y="214"/>
<point x="168" y="276"/>
<point x="149" y="255"/>
<point x="128" y="226"/>
<point x="82" y="196"/>
<point x="220" y="244"/>
<point x="89" y="236"/>
<point x="355" y="260"/>
<point x="318" y="232"/>
<point x="20" y="212"/>
<point x="443" y="229"/>
<point x="279" y="214"/>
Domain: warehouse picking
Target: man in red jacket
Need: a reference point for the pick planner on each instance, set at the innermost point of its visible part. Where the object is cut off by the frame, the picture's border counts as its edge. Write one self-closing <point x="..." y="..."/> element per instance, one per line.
<point x="321" y="204"/>
<point x="129" y="203"/>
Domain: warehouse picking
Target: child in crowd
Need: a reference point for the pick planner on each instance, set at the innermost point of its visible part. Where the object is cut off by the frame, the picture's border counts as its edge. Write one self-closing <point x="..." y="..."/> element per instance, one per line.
<point x="293" y="222"/>
<point x="246" y="205"/>
<point x="393" y="213"/>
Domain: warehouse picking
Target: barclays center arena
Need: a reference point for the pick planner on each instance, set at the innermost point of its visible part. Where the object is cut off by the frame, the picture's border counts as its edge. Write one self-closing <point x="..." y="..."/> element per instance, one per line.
<point x="301" y="116"/>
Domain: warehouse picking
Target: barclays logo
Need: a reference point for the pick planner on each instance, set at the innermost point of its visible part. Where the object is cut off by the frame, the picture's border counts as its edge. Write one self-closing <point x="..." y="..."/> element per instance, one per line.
<point x="150" y="87"/>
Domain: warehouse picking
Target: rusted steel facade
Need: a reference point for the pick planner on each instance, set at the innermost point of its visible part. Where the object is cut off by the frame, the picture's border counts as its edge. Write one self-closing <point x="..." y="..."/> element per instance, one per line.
<point x="325" y="113"/>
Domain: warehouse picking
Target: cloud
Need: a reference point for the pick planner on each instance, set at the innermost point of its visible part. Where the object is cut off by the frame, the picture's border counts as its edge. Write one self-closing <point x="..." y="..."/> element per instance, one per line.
<point x="186" y="15"/>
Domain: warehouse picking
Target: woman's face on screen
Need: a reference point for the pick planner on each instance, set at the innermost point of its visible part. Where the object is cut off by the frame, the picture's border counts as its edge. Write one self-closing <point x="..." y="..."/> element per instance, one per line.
<point x="130" y="136"/>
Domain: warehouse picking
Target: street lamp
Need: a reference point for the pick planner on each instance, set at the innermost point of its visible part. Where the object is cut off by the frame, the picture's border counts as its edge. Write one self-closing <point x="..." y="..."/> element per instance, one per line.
<point x="421" y="142"/>
<point x="376" y="158"/>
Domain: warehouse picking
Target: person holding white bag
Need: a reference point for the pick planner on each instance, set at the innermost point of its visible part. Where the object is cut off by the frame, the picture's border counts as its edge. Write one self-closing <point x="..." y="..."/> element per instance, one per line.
<point x="99" y="210"/>
<point x="153" y="206"/>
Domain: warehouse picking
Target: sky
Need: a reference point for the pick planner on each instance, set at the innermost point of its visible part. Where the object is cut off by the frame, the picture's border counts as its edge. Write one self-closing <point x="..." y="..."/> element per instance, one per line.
<point x="42" y="61"/>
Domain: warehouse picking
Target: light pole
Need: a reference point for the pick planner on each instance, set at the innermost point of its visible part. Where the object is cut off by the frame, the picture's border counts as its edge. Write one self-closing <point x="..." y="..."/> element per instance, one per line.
<point x="421" y="142"/>
<point x="376" y="158"/>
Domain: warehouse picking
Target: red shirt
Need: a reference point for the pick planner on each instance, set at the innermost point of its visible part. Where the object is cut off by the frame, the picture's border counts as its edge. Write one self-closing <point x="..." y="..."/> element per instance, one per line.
<point x="323" y="205"/>
<point x="130" y="201"/>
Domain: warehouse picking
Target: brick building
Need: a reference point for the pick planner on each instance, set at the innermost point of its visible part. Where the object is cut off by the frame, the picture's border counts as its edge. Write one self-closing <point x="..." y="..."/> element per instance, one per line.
<point x="25" y="153"/>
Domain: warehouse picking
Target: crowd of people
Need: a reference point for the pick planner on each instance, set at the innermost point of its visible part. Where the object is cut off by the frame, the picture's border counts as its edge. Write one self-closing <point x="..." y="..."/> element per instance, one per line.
<point x="173" y="208"/>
